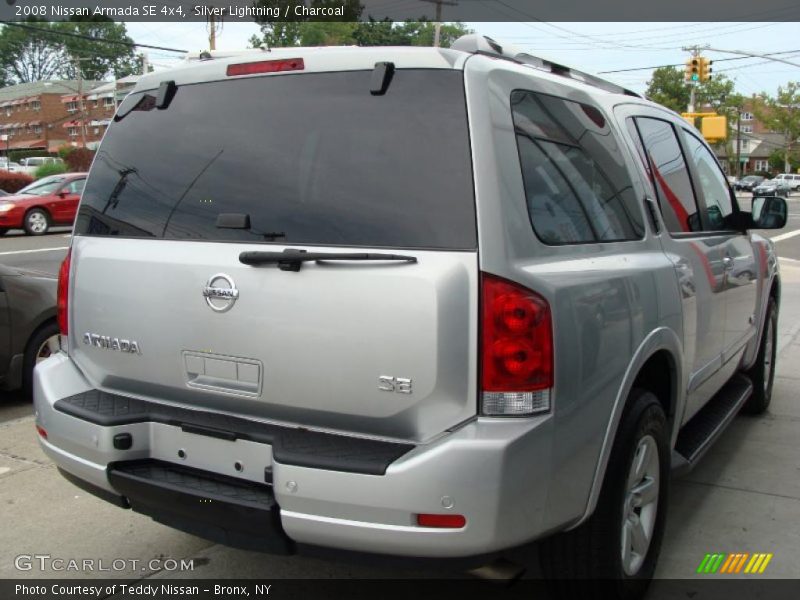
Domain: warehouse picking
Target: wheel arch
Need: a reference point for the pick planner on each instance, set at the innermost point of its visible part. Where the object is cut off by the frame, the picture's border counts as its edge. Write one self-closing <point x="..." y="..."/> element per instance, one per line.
<point x="660" y="351"/>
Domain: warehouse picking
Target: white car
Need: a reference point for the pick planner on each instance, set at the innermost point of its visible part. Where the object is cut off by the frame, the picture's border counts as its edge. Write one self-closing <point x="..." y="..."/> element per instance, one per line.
<point x="793" y="179"/>
<point x="29" y="165"/>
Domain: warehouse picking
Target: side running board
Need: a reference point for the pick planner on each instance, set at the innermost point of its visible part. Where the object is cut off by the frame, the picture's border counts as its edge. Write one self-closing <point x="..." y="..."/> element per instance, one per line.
<point x="703" y="429"/>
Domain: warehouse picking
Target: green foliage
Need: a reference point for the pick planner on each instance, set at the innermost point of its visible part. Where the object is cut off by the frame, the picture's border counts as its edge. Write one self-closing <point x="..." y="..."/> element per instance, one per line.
<point x="65" y="151"/>
<point x="360" y="33"/>
<point x="99" y="60"/>
<point x="27" y="55"/>
<point x="18" y="155"/>
<point x="781" y="114"/>
<point x="668" y="88"/>
<point x="50" y="169"/>
<point x="777" y="161"/>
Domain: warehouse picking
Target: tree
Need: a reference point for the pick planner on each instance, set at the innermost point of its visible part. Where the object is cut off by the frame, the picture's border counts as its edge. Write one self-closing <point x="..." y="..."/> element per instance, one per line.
<point x="278" y="33"/>
<point x="668" y="88"/>
<point x="781" y="114"/>
<point x="363" y="33"/>
<point x="27" y="55"/>
<point x="98" y="59"/>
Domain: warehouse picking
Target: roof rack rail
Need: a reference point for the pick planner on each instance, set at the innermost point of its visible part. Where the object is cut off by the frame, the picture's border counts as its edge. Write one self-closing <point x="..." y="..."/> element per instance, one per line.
<point x="480" y="44"/>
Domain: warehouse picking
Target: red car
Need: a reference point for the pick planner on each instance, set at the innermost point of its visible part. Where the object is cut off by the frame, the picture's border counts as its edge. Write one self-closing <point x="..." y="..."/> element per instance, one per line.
<point x="49" y="201"/>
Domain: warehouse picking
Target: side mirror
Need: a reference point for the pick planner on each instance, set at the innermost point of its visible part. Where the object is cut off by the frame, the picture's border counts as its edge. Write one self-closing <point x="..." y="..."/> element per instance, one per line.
<point x="63" y="194"/>
<point x="769" y="212"/>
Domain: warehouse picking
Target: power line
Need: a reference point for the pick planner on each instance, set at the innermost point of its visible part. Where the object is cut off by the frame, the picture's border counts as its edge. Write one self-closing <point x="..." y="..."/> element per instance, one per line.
<point x="89" y="37"/>
<point x="681" y="64"/>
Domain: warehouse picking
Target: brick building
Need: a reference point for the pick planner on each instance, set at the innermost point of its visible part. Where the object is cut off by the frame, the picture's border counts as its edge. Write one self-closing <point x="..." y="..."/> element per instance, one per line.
<point x="756" y="141"/>
<point x="46" y="115"/>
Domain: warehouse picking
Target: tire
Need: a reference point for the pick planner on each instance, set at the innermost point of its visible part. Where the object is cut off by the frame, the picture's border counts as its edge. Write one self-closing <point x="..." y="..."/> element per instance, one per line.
<point x="762" y="373"/>
<point x="588" y="561"/>
<point x="37" y="222"/>
<point x="39" y="347"/>
<point x="3" y="232"/>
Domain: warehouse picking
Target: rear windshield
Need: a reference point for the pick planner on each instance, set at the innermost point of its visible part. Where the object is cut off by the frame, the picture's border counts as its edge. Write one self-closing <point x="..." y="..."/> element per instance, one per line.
<point x="310" y="158"/>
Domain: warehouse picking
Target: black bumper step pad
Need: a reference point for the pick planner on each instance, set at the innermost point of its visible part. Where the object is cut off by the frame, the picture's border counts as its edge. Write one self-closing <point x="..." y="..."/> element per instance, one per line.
<point x="222" y="509"/>
<point x="290" y="446"/>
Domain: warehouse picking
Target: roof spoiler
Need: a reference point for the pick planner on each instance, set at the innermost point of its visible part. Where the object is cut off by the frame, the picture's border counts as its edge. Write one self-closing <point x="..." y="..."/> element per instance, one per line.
<point x="480" y="44"/>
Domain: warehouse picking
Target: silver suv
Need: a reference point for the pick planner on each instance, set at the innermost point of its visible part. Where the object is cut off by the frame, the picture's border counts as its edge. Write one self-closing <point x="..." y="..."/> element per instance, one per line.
<point x="463" y="299"/>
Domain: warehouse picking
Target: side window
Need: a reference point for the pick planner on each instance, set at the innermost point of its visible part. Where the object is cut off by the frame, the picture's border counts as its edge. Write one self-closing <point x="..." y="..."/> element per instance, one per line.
<point x="76" y="187"/>
<point x="577" y="186"/>
<point x="670" y="175"/>
<point x="716" y="193"/>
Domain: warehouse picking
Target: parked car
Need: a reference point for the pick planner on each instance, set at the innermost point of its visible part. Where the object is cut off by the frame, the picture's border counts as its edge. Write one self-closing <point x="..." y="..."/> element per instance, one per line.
<point x="748" y="182"/>
<point x="31" y="164"/>
<point x="514" y="332"/>
<point x="772" y="187"/>
<point x="49" y="201"/>
<point x="28" y="327"/>
<point x="793" y="179"/>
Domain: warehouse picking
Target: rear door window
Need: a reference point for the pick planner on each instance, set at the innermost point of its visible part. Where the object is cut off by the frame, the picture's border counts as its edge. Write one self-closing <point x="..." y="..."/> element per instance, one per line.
<point x="670" y="175"/>
<point x="576" y="184"/>
<point x="312" y="158"/>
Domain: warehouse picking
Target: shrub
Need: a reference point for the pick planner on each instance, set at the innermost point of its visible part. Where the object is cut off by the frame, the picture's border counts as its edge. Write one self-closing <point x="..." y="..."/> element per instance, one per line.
<point x="13" y="182"/>
<point x="80" y="159"/>
<point x="65" y="151"/>
<point x="50" y="169"/>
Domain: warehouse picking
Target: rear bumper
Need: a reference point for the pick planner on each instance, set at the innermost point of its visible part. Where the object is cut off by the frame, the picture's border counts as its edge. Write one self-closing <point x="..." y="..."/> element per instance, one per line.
<point x="494" y="472"/>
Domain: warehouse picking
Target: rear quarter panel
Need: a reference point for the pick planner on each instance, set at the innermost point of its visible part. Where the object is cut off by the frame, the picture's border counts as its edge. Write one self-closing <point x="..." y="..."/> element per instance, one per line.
<point x="607" y="299"/>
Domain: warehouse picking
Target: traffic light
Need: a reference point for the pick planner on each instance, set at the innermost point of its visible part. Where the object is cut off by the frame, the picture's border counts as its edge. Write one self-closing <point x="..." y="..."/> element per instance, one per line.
<point x="692" y="72"/>
<point x="705" y="68"/>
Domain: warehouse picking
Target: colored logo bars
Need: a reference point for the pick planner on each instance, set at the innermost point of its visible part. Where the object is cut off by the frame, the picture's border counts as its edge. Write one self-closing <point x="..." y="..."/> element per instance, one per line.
<point x="735" y="563"/>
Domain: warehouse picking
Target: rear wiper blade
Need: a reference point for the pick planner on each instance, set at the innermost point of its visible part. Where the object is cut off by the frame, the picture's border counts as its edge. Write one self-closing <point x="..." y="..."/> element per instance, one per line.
<point x="292" y="260"/>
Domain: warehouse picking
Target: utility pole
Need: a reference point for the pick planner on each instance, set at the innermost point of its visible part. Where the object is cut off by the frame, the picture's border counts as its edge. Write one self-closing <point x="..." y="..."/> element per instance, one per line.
<point x="438" y="26"/>
<point x="214" y="28"/>
<point x="81" y="109"/>
<point x="739" y="143"/>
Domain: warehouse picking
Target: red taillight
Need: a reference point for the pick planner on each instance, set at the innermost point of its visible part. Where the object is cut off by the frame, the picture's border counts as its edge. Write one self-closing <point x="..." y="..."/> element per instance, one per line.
<point x="41" y="431"/>
<point x="442" y="521"/>
<point x="265" y="66"/>
<point x="63" y="294"/>
<point x="516" y="348"/>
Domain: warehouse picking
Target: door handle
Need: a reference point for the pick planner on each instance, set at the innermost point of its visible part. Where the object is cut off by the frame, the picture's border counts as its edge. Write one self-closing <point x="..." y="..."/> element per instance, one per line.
<point x="727" y="263"/>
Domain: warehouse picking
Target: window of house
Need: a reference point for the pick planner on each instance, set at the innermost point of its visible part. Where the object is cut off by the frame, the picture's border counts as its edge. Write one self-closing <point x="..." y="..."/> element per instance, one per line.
<point x="72" y="106"/>
<point x="762" y="165"/>
<point x="746" y="116"/>
<point x="747" y="129"/>
<point x="108" y="102"/>
<point x="37" y="129"/>
<point x="670" y="175"/>
<point x="72" y="131"/>
<point x="36" y="105"/>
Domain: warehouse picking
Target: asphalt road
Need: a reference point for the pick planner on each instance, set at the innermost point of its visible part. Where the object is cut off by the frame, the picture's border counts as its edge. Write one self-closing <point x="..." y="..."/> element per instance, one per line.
<point x="743" y="497"/>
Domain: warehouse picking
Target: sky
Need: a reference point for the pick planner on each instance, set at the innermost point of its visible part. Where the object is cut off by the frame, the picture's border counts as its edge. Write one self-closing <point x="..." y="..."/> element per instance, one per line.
<point x="590" y="47"/>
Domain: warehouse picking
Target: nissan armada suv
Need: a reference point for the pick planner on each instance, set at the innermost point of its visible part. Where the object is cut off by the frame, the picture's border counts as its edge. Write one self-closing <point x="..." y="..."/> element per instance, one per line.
<point x="464" y="299"/>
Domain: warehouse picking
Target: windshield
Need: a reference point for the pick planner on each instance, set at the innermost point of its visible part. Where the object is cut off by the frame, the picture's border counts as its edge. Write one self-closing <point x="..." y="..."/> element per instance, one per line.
<point x="311" y="158"/>
<point x="43" y="187"/>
